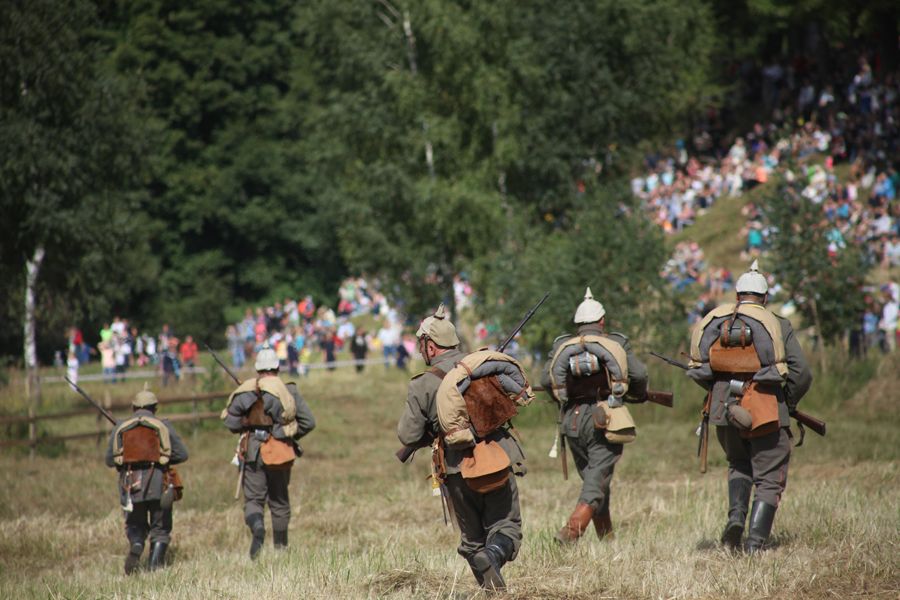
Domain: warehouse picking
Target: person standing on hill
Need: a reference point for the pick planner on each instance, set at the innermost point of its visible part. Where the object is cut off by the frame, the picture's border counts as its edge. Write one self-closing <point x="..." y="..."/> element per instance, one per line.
<point x="359" y="347"/>
<point x="490" y="524"/>
<point x="590" y="374"/>
<point x="271" y="417"/>
<point x="144" y="450"/>
<point x="751" y="364"/>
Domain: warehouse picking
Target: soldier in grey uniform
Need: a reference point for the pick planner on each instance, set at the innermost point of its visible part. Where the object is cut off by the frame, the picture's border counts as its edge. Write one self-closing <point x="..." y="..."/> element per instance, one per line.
<point x="141" y="482"/>
<point x="760" y="462"/>
<point x="595" y="457"/>
<point x="259" y="409"/>
<point x="490" y="524"/>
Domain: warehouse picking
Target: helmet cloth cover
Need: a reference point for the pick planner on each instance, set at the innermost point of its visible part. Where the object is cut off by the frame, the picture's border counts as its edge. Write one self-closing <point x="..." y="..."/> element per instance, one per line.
<point x="438" y="329"/>
<point x="144" y="398"/>
<point x="266" y="359"/>
<point x="752" y="282"/>
<point x="589" y="311"/>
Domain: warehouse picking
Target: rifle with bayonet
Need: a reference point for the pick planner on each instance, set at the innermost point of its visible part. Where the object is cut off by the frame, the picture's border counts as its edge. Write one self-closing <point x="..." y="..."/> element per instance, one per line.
<point x="96" y="405"/>
<point x="405" y="453"/>
<point x="244" y="439"/>
<point x="802" y="418"/>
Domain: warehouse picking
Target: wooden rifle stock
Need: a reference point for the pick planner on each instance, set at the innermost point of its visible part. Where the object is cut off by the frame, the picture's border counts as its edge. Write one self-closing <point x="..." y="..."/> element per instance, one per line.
<point x="810" y="421"/>
<point x="666" y="399"/>
<point x="405" y="453"/>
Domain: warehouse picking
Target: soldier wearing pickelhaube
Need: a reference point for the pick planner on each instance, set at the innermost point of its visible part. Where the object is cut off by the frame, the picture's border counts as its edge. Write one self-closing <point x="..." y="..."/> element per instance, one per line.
<point x="271" y="417"/>
<point x="490" y="524"/>
<point x="591" y="373"/>
<point x="144" y="449"/>
<point x="752" y="365"/>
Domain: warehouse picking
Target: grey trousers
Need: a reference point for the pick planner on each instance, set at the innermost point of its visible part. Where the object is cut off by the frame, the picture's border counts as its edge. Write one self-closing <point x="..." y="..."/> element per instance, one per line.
<point x="148" y="518"/>
<point x="595" y="458"/>
<point x="482" y="516"/>
<point x="263" y="486"/>
<point x="763" y="461"/>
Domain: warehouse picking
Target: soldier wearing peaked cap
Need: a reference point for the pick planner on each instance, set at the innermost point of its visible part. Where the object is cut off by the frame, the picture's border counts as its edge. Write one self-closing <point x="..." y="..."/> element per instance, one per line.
<point x="591" y="374"/>
<point x="271" y="417"/>
<point x="751" y="364"/>
<point x="490" y="524"/>
<point x="144" y="450"/>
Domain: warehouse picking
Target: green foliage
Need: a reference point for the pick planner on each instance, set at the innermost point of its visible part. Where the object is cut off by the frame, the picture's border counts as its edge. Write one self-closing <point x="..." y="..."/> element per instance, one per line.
<point x="69" y="163"/>
<point x="605" y="248"/>
<point x="827" y="289"/>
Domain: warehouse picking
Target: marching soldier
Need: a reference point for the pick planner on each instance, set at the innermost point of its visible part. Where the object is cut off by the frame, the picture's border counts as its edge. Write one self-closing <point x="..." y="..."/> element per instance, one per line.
<point x="144" y="449"/>
<point x="270" y="416"/>
<point x="594" y="422"/>
<point x="490" y="524"/>
<point x="754" y="370"/>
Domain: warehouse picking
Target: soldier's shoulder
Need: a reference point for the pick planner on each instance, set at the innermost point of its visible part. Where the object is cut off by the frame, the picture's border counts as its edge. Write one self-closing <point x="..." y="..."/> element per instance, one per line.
<point x="417" y="376"/>
<point x="561" y="338"/>
<point x="618" y="336"/>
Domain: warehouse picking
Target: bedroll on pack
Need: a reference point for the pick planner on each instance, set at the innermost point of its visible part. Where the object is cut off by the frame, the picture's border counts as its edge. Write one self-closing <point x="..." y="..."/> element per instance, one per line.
<point x="575" y="376"/>
<point x="481" y="392"/>
<point x="142" y="439"/>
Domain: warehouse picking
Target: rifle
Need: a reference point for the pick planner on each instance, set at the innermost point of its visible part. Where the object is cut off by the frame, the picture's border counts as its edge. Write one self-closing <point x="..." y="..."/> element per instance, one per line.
<point x="662" y="398"/>
<point x="241" y="450"/>
<point x="521" y="324"/>
<point x="405" y="453"/>
<point x="84" y="394"/>
<point x="221" y="364"/>
<point x="802" y="418"/>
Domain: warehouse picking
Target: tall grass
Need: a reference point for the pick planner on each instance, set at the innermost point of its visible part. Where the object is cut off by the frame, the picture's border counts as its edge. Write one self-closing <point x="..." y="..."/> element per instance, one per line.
<point x="366" y="527"/>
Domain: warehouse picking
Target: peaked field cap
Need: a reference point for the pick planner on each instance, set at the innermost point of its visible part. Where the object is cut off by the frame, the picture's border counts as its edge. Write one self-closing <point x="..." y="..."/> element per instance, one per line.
<point x="589" y="311"/>
<point x="144" y="398"/>
<point x="752" y="282"/>
<point x="266" y="359"/>
<point x="438" y="329"/>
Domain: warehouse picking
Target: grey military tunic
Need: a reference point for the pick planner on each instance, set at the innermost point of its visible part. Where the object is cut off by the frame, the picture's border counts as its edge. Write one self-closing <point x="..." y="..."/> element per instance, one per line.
<point x="479" y="516"/>
<point x="146" y="516"/>
<point x="595" y="458"/>
<point x="763" y="460"/>
<point x="263" y="485"/>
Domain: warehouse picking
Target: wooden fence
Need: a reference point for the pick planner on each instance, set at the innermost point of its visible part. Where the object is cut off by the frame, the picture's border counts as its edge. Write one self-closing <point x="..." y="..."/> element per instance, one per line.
<point x="103" y="427"/>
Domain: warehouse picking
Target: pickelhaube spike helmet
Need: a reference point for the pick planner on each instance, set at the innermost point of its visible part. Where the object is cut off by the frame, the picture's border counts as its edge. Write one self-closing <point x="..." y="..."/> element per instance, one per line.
<point x="144" y="398"/>
<point x="266" y="359"/>
<point x="589" y="311"/>
<point x="438" y="329"/>
<point x="752" y="282"/>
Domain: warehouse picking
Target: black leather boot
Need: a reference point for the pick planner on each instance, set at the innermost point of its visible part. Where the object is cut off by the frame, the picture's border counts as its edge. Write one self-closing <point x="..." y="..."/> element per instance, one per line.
<point x="158" y="555"/>
<point x="133" y="560"/>
<point x="258" y="531"/>
<point x="489" y="561"/>
<point x="761" y="518"/>
<point x="738" y="501"/>
<point x="478" y="576"/>
<point x="280" y="538"/>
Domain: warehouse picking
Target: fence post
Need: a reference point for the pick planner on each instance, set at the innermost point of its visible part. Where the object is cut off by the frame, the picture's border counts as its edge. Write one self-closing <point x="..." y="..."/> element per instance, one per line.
<point x="196" y="420"/>
<point x="32" y="431"/>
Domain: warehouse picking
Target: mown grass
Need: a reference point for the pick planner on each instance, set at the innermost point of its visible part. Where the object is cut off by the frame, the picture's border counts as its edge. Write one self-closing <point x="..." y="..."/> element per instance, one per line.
<point x="366" y="527"/>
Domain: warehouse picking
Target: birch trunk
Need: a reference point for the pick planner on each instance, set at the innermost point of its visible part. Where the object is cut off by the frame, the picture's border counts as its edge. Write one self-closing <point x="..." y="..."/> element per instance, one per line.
<point x="32" y="269"/>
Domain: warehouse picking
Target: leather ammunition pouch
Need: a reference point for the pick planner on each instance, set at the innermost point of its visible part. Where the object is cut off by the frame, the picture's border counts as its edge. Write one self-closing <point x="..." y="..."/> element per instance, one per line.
<point x="486" y="468"/>
<point x="488" y="405"/>
<point x="277" y="454"/>
<point x="762" y="404"/>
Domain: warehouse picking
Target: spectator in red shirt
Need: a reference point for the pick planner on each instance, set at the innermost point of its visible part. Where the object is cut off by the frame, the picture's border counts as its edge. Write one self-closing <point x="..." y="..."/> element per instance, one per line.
<point x="188" y="351"/>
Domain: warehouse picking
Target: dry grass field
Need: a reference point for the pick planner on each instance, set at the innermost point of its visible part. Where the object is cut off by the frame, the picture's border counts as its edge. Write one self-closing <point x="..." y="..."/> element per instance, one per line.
<point x="365" y="526"/>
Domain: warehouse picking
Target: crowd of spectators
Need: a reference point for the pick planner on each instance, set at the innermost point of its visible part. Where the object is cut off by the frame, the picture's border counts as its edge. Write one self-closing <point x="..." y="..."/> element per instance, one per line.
<point x="122" y="347"/>
<point x="298" y="329"/>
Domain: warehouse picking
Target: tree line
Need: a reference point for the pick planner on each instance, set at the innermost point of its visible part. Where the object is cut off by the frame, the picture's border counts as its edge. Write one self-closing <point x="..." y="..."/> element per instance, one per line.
<point x="174" y="162"/>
